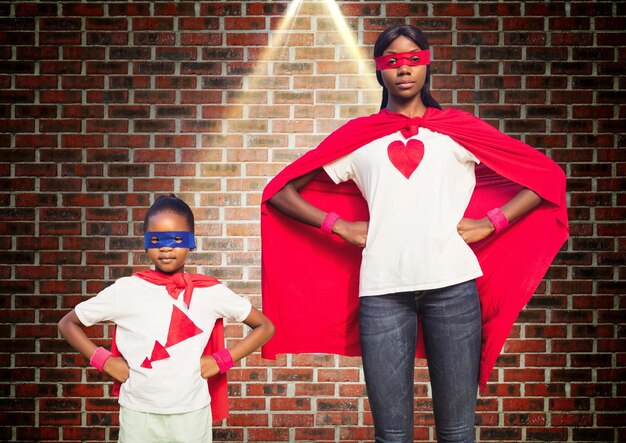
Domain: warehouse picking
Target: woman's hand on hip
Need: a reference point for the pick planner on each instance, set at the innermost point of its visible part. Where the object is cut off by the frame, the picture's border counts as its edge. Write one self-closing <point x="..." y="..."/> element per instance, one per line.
<point x="473" y="230"/>
<point x="352" y="232"/>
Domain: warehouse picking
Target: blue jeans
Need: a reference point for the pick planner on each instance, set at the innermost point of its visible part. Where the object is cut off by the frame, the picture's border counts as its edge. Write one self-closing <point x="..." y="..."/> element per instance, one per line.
<point x="451" y="325"/>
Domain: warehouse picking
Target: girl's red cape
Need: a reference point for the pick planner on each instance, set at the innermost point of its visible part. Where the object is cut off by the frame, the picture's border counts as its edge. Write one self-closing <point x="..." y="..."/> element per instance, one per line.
<point x="310" y="279"/>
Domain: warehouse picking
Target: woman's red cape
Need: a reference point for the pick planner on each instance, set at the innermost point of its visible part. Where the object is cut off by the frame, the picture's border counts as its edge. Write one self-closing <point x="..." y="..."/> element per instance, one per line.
<point x="310" y="279"/>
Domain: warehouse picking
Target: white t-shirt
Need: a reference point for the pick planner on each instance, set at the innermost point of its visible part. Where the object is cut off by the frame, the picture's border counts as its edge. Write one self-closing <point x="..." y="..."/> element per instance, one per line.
<point x="143" y="312"/>
<point x="412" y="240"/>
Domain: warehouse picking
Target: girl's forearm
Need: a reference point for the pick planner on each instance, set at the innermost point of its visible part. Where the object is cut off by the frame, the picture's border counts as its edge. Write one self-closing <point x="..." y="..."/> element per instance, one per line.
<point x="71" y="330"/>
<point x="251" y="342"/>
<point x="262" y="331"/>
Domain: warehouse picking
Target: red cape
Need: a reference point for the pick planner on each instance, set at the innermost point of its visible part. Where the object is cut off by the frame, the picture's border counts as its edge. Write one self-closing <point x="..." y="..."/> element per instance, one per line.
<point x="175" y="284"/>
<point x="310" y="280"/>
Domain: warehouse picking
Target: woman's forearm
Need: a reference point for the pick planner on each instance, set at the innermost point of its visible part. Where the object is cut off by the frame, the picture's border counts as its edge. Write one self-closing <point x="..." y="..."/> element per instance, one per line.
<point x="524" y="201"/>
<point x="289" y="202"/>
<point x="473" y="230"/>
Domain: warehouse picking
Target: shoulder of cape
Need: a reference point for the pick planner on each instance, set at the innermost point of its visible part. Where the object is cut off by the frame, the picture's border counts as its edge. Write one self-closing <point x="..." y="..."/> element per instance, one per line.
<point x="452" y="114"/>
<point x="463" y="124"/>
<point x="344" y="134"/>
<point x="358" y="124"/>
<point x="466" y="123"/>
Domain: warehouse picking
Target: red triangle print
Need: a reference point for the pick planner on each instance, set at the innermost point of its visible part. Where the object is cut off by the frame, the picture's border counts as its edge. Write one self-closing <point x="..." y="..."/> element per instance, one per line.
<point x="406" y="158"/>
<point x="146" y="364"/>
<point x="181" y="328"/>
<point x="158" y="352"/>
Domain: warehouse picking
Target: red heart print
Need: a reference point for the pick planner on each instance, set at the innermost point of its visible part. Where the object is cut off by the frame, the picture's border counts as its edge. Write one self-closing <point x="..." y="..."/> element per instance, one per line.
<point x="406" y="158"/>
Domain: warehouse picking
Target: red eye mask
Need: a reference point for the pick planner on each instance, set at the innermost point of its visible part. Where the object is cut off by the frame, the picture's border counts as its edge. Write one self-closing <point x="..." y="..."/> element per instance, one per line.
<point x="392" y="61"/>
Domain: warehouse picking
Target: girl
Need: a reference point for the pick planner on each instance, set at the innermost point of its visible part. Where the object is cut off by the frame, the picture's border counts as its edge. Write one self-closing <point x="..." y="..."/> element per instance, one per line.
<point x="414" y="170"/>
<point x="169" y="337"/>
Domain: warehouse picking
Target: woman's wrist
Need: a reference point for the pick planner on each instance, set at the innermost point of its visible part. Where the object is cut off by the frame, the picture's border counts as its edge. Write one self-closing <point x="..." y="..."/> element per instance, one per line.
<point x="488" y="225"/>
<point x="497" y="219"/>
<point x="329" y="221"/>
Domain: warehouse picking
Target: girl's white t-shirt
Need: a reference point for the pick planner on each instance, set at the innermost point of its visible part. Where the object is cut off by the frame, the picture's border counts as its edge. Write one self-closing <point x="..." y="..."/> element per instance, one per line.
<point x="143" y="313"/>
<point x="412" y="240"/>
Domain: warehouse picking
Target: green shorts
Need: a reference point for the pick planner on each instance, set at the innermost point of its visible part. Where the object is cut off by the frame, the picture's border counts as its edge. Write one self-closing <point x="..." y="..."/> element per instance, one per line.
<point x="147" y="427"/>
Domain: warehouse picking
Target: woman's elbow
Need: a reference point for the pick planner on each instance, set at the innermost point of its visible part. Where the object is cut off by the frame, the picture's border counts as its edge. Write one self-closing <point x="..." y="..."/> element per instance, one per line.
<point x="271" y="329"/>
<point x="280" y="200"/>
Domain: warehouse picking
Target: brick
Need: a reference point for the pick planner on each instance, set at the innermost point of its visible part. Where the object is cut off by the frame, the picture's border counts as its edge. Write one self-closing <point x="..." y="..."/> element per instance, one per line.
<point x="175" y="9"/>
<point x="500" y="434"/>
<point x="97" y="67"/>
<point x="262" y="434"/>
<point x="594" y="434"/>
<point x="107" y="125"/>
<point x="546" y="435"/>
<point x="129" y="112"/>
<point x="107" y="96"/>
<point x="123" y="53"/>
<point x="106" y="24"/>
<point x="198" y="23"/>
<point x="543" y="9"/>
<point x="82" y="52"/>
<point x="79" y="111"/>
<point x="59" y="24"/>
<point x="152" y="23"/>
<point x="292" y="420"/>
<point x="35" y="10"/>
<point x="82" y="10"/>
<point x="107" y="38"/>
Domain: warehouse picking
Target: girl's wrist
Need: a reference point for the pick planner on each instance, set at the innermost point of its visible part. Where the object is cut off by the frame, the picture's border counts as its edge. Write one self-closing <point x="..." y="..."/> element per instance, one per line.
<point x="224" y="360"/>
<point x="99" y="358"/>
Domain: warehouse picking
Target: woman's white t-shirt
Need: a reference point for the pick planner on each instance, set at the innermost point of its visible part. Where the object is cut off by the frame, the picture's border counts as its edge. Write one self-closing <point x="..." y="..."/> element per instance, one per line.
<point x="412" y="240"/>
<point x="144" y="314"/>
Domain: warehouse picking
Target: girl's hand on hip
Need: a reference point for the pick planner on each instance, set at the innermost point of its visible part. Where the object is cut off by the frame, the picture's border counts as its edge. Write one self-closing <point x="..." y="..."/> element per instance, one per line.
<point x="208" y="366"/>
<point x="473" y="230"/>
<point x="352" y="232"/>
<point x="117" y="368"/>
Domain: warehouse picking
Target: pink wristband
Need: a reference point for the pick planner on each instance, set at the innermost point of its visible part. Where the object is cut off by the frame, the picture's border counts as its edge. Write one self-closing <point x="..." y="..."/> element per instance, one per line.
<point x="99" y="357"/>
<point x="497" y="219"/>
<point x="329" y="221"/>
<point x="224" y="360"/>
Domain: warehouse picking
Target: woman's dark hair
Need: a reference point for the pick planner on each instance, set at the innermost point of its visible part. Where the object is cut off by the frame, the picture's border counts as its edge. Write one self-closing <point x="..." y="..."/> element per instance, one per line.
<point x="170" y="203"/>
<point x="383" y="42"/>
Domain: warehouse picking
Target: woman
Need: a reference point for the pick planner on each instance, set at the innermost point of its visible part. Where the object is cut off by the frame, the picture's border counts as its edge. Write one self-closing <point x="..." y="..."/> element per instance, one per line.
<point x="414" y="167"/>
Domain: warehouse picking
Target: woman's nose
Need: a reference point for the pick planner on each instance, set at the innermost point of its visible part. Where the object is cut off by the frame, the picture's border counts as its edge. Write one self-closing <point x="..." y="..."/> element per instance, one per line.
<point x="403" y="69"/>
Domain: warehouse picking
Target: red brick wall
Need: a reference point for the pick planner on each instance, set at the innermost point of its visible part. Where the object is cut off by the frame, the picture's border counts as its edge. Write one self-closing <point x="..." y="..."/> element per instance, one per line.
<point x="105" y="105"/>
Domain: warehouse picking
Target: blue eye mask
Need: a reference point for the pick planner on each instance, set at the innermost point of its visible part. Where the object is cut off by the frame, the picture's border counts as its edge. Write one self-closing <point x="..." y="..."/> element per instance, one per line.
<point x="170" y="239"/>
